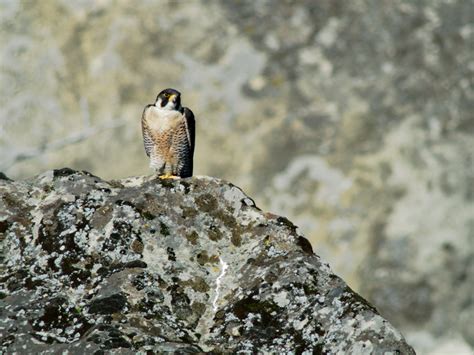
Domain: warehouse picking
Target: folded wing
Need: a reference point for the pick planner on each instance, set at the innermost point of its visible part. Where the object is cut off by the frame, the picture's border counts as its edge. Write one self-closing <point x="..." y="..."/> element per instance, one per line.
<point x="147" y="141"/>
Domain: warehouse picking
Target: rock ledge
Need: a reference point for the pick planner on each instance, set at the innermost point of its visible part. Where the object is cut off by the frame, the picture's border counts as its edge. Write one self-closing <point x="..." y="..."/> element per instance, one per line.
<point x="191" y="265"/>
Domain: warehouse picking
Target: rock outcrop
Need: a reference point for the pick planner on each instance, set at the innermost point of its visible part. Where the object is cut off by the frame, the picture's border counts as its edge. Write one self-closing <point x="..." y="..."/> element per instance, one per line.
<point x="352" y="117"/>
<point x="187" y="265"/>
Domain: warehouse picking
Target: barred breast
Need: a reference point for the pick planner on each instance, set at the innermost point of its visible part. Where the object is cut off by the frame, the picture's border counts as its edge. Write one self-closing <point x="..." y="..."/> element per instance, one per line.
<point x="170" y="153"/>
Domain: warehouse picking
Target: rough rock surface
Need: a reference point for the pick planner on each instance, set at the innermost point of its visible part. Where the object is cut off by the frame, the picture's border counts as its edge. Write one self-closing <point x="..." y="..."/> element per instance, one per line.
<point x="353" y="118"/>
<point x="188" y="265"/>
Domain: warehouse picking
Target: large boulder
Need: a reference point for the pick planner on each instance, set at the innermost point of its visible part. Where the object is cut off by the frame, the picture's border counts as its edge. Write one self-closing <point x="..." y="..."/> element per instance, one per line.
<point x="355" y="118"/>
<point x="186" y="265"/>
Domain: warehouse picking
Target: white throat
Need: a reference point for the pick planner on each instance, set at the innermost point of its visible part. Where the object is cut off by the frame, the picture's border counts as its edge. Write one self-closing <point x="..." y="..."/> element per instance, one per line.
<point x="162" y="119"/>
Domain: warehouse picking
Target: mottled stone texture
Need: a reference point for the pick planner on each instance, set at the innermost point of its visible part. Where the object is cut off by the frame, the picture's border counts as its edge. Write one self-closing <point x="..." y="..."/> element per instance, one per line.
<point x="352" y="118"/>
<point x="187" y="265"/>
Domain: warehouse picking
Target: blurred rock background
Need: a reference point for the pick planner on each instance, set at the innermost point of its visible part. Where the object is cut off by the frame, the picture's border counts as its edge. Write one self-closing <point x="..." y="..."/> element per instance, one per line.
<point x="353" y="119"/>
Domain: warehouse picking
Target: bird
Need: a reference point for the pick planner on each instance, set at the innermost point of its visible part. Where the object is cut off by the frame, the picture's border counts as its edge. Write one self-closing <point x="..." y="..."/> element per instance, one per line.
<point x="169" y="135"/>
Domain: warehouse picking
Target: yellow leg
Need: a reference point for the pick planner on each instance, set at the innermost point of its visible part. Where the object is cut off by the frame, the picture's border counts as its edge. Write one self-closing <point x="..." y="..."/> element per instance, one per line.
<point x="168" y="176"/>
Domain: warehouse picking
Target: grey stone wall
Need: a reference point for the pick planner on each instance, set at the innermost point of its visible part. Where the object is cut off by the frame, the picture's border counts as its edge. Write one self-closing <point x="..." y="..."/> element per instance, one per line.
<point x="354" y="119"/>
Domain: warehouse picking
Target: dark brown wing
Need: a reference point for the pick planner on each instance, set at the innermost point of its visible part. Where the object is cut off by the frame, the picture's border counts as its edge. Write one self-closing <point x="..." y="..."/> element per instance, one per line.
<point x="147" y="141"/>
<point x="190" y="128"/>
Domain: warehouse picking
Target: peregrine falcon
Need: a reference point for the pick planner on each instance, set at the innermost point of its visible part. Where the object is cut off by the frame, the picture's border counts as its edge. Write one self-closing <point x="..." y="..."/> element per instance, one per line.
<point x="168" y="135"/>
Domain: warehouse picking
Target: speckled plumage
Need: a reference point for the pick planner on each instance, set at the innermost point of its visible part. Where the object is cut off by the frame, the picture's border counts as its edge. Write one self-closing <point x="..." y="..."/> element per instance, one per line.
<point x="168" y="135"/>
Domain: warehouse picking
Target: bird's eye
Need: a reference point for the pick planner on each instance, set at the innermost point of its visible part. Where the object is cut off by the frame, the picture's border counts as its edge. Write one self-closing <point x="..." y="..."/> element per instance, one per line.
<point x="167" y="95"/>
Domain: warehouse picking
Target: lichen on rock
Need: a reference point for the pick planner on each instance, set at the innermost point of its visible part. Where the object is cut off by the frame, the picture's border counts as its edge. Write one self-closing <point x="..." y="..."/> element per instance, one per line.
<point x="191" y="265"/>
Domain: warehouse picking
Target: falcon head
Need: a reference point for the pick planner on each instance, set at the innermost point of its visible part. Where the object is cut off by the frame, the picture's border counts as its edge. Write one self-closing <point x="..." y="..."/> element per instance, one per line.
<point x="169" y="99"/>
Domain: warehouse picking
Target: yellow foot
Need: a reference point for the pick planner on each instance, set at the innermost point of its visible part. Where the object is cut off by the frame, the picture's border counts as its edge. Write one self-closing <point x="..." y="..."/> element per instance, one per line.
<point x="168" y="176"/>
